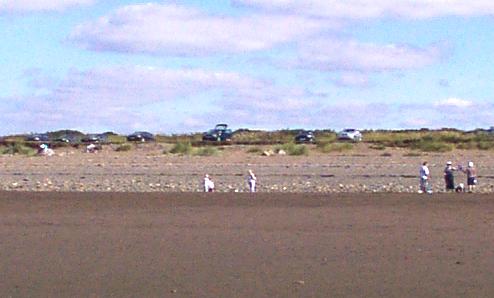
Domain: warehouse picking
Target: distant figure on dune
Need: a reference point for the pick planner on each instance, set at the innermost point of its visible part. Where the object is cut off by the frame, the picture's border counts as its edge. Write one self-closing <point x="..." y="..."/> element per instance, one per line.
<point x="208" y="184"/>
<point x="425" y="176"/>
<point x="252" y="179"/>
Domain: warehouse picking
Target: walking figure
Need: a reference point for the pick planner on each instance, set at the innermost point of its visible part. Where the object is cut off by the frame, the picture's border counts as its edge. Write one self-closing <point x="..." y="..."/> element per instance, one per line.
<point x="252" y="181"/>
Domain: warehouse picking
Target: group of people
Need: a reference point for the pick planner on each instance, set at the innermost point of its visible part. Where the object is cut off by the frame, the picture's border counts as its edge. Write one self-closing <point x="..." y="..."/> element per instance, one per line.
<point x="251" y="180"/>
<point x="449" y="178"/>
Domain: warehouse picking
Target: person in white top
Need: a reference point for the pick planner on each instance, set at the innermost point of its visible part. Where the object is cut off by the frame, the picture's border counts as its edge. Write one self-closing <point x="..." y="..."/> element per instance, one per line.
<point x="252" y="181"/>
<point x="208" y="184"/>
<point x="425" y="176"/>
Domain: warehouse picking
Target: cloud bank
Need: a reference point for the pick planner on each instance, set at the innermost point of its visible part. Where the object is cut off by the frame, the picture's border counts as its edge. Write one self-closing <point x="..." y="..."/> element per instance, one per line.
<point x="363" y="9"/>
<point x="178" y="30"/>
<point x="25" y="6"/>
<point x="351" y="55"/>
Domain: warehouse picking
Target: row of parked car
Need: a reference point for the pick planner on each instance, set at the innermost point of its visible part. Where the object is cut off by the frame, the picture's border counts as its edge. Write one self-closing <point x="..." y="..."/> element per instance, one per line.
<point x="220" y="133"/>
<point x="349" y="134"/>
<point x="140" y="136"/>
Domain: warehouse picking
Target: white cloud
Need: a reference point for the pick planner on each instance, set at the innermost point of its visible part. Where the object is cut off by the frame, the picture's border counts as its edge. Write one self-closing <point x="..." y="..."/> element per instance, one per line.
<point x="364" y="9"/>
<point x="128" y="98"/>
<point x="350" y="55"/>
<point x="178" y="30"/>
<point x="21" y="6"/>
<point x="453" y="103"/>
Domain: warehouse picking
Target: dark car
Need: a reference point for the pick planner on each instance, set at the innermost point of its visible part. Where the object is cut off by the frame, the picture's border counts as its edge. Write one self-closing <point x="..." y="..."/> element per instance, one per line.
<point x="141" y="136"/>
<point x="221" y="133"/>
<point x="305" y="137"/>
<point x="94" y="138"/>
<point x="69" y="139"/>
<point x="38" y="138"/>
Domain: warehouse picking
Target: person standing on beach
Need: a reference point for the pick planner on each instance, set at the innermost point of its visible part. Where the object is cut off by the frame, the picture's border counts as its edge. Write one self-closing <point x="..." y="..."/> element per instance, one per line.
<point x="471" y="172"/>
<point x="425" y="176"/>
<point x="449" y="177"/>
<point x="252" y="179"/>
<point x="208" y="184"/>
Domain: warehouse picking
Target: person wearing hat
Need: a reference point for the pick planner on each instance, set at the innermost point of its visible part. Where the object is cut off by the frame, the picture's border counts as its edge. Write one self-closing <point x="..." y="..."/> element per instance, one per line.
<point x="208" y="184"/>
<point x="471" y="176"/>
<point x="449" y="177"/>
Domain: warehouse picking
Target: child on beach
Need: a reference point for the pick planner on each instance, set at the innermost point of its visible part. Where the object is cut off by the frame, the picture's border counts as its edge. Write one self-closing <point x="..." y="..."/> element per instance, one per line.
<point x="252" y="181"/>
<point x="208" y="184"/>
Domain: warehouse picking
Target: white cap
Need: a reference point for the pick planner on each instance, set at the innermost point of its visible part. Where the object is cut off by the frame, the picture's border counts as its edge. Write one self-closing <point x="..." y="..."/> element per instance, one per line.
<point x="449" y="163"/>
<point x="470" y="164"/>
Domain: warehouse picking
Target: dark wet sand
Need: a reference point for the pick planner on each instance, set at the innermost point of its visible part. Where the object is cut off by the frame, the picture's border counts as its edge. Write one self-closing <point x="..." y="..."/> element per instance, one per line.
<point x="242" y="245"/>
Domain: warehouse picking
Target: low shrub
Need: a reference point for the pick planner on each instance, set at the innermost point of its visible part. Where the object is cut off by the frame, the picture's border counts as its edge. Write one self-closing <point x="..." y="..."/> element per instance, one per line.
<point x="467" y="146"/>
<point x="124" y="147"/>
<point x="206" y="151"/>
<point x="412" y="154"/>
<point x="293" y="149"/>
<point x="18" y="148"/>
<point x="116" y="139"/>
<point x="386" y="154"/>
<point x="485" y="145"/>
<point x="182" y="148"/>
<point x="335" y="147"/>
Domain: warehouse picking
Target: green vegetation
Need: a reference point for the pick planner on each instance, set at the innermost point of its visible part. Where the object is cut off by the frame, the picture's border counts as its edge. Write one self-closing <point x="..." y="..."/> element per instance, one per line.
<point x="184" y="148"/>
<point x="17" y="148"/>
<point x="293" y="149"/>
<point x="334" y="147"/>
<point x="206" y="151"/>
<point x="116" y="139"/>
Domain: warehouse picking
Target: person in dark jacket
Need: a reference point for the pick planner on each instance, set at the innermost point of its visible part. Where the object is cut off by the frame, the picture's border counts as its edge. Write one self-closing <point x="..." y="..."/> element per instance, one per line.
<point x="449" y="177"/>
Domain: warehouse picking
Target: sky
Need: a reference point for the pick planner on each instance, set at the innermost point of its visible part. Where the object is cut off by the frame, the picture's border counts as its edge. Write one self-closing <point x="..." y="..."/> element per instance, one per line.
<point x="182" y="66"/>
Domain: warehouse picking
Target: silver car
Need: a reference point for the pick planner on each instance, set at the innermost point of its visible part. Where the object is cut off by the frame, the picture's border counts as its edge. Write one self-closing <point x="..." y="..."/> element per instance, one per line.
<point x="350" y="134"/>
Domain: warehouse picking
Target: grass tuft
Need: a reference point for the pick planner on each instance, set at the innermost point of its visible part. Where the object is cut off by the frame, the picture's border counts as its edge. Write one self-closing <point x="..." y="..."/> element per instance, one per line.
<point x="293" y="149"/>
<point x="182" y="148"/>
<point x="18" y="148"/>
<point x="335" y="147"/>
<point x="206" y="151"/>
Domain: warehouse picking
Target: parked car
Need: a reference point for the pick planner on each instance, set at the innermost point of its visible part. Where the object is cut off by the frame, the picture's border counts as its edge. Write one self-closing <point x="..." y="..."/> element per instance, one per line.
<point x="69" y="139"/>
<point x="38" y="138"/>
<point x="141" y="136"/>
<point x="221" y="133"/>
<point x="350" y="134"/>
<point x="94" y="138"/>
<point x="305" y="136"/>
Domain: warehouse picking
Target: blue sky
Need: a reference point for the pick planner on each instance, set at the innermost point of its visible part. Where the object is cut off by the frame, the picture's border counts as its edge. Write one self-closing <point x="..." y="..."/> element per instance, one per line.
<point x="182" y="66"/>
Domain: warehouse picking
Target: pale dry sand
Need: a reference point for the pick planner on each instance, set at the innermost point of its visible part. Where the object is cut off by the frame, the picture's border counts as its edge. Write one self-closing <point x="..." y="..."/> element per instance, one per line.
<point x="145" y="169"/>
